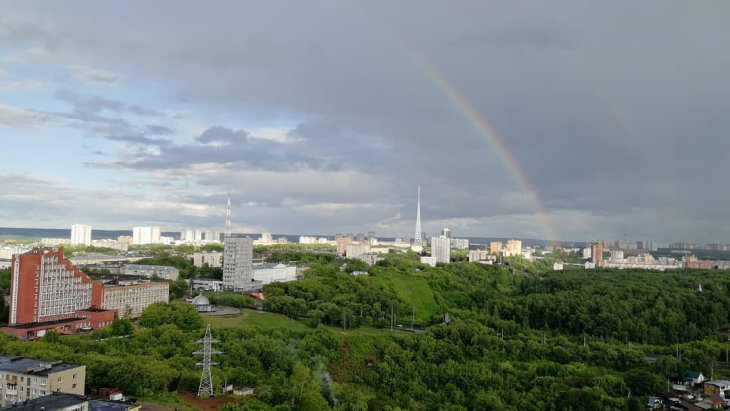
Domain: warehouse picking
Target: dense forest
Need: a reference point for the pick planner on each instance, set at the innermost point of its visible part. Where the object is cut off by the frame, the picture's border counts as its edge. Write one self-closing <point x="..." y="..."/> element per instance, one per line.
<point x="525" y="338"/>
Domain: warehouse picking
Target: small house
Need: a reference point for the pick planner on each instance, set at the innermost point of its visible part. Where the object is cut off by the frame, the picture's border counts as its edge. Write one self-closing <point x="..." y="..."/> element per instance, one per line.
<point x="717" y="387"/>
<point x="693" y="377"/>
<point x="714" y="401"/>
<point x="243" y="391"/>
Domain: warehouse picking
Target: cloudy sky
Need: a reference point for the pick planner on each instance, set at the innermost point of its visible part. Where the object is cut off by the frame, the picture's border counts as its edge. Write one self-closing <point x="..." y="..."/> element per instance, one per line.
<point x="323" y="116"/>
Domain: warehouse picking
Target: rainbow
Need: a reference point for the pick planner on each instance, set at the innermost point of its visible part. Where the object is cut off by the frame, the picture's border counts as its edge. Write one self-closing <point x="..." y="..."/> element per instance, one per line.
<point x="482" y="127"/>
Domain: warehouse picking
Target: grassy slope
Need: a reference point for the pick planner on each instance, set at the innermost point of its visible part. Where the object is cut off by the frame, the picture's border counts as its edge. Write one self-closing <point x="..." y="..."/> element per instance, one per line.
<point x="271" y="320"/>
<point x="259" y="319"/>
<point x="414" y="290"/>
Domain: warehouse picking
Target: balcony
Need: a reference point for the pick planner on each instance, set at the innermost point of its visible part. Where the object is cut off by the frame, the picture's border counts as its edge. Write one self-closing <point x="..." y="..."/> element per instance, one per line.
<point x="11" y="391"/>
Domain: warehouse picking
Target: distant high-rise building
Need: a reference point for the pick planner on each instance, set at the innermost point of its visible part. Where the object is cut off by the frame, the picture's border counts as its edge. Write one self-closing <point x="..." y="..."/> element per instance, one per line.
<point x="441" y="249"/>
<point x="80" y="234"/>
<point x="460" y="243"/>
<point x="237" y="261"/>
<point x="146" y="235"/>
<point x="187" y="234"/>
<point x="266" y="237"/>
<point x="495" y="247"/>
<point x="514" y="247"/>
<point x="371" y="235"/>
<point x="417" y="241"/>
<point x="587" y="253"/>
<point x="597" y="252"/>
<point x="446" y="233"/>
<point x="342" y="243"/>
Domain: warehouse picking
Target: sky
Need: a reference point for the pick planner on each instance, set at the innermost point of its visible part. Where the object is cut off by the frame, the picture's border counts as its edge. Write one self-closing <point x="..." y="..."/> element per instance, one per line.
<point x="559" y="120"/>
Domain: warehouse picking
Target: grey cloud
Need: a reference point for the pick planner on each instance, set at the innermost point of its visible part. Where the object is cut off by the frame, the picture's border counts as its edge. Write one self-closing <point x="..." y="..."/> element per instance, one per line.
<point x="97" y="104"/>
<point x="218" y="134"/>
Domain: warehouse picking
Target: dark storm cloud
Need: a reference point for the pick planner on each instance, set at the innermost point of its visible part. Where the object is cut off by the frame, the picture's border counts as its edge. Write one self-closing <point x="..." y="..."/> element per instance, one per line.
<point x="616" y="117"/>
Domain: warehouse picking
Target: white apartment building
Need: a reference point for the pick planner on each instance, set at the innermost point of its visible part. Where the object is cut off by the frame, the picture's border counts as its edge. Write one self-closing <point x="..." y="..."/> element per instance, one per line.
<point x="211" y="259"/>
<point x="307" y="240"/>
<point x="81" y="234"/>
<point x="26" y="379"/>
<point x="237" y="261"/>
<point x="131" y="300"/>
<point x="146" y="235"/>
<point x="356" y="250"/>
<point x="460" y="243"/>
<point x="441" y="249"/>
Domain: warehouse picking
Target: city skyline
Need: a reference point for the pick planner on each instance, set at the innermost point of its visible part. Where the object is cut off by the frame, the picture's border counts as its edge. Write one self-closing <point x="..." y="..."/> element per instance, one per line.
<point x="546" y="125"/>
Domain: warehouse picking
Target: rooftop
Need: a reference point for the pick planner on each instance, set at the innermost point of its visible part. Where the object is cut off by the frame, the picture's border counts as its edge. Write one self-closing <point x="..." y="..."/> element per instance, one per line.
<point x="99" y="405"/>
<point x="24" y="365"/>
<point x="270" y="265"/>
<point x="51" y="402"/>
<point x="148" y="267"/>
<point x="42" y="324"/>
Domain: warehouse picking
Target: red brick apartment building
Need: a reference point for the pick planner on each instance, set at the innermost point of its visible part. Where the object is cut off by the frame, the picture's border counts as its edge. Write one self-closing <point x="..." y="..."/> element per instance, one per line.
<point x="47" y="292"/>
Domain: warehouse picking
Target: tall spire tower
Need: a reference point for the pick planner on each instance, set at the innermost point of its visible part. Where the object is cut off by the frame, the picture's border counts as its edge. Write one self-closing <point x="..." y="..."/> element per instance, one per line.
<point x="417" y="243"/>
<point x="228" y="216"/>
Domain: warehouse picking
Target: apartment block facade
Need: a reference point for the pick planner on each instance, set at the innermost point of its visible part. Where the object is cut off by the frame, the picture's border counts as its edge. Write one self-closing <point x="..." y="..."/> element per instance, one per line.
<point x="26" y="379"/>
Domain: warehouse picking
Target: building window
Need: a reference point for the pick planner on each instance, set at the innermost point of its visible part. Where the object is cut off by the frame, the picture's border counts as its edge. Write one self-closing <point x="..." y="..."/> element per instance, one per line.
<point x="74" y="386"/>
<point x="74" y="376"/>
<point x="59" y="379"/>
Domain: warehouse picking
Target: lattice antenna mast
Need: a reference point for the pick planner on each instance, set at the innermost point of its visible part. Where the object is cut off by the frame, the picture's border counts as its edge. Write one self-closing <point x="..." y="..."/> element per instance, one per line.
<point x="417" y="237"/>
<point x="206" y="380"/>
<point x="228" y="216"/>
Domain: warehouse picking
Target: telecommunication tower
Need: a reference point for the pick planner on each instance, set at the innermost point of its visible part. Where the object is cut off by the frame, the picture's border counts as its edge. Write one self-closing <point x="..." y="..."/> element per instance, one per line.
<point x="228" y="216"/>
<point x="417" y="237"/>
<point x="206" y="380"/>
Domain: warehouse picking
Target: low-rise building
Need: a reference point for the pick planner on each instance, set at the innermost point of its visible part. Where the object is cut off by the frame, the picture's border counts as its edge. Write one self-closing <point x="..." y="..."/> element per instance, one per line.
<point x="211" y="259"/>
<point x="203" y="284"/>
<point x="27" y="378"/>
<point x="130" y="300"/>
<point x="164" y="272"/>
<point x="274" y="273"/>
<point x="557" y="266"/>
<point x="370" y="259"/>
<point x="429" y="260"/>
<point x="476" y="255"/>
<point x="716" y="387"/>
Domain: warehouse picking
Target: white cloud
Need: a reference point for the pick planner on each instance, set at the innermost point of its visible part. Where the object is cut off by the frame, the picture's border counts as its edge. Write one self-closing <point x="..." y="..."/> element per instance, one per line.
<point x="279" y="135"/>
<point x="80" y="71"/>
<point x="20" y="85"/>
<point x="94" y="76"/>
<point x="18" y="118"/>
